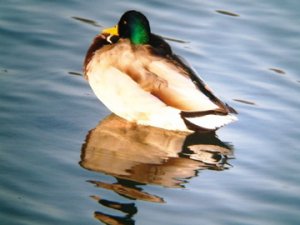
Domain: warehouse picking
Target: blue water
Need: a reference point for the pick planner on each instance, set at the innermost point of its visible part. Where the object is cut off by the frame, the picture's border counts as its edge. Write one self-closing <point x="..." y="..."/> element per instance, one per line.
<point x="63" y="161"/>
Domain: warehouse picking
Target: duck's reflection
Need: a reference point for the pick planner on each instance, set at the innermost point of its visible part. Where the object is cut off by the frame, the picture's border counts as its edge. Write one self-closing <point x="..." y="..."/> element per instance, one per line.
<point x="137" y="155"/>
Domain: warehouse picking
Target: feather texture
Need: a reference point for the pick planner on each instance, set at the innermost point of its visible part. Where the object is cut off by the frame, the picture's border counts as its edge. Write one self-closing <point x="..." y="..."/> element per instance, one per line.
<point x="151" y="86"/>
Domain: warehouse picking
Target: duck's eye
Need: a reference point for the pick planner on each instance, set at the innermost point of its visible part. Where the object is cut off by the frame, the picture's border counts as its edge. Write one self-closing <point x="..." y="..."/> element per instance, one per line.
<point x="125" y="22"/>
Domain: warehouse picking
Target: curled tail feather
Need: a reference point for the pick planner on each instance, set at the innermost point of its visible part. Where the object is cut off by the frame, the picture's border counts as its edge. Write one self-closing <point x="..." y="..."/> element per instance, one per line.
<point x="208" y="120"/>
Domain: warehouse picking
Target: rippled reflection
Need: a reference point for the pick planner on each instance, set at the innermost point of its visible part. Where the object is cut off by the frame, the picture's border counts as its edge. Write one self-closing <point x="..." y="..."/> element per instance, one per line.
<point x="138" y="155"/>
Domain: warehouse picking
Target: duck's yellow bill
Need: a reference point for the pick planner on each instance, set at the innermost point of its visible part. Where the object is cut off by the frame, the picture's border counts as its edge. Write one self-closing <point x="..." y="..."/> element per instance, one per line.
<point x="111" y="30"/>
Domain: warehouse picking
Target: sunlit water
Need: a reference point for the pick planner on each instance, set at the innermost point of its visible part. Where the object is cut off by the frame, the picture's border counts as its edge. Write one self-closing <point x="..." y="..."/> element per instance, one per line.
<point x="64" y="161"/>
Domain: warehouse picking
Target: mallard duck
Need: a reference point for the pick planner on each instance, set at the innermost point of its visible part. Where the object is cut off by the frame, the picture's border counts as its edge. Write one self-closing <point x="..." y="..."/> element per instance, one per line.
<point x="138" y="77"/>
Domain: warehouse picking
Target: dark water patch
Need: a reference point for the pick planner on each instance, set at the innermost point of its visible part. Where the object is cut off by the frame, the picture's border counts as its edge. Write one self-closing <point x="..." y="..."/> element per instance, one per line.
<point x="3" y="71"/>
<point x="244" y="101"/>
<point x="276" y="70"/>
<point x="227" y="13"/>
<point x="75" y="73"/>
<point x="87" y="21"/>
<point x="175" y="40"/>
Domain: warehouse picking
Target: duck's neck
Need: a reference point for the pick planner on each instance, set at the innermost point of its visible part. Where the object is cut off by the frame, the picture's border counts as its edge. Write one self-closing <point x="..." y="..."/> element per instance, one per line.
<point x="140" y="35"/>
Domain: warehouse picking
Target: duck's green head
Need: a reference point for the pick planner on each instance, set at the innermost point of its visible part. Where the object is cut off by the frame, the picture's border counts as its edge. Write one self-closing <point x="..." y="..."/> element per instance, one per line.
<point x="134" y="26"/>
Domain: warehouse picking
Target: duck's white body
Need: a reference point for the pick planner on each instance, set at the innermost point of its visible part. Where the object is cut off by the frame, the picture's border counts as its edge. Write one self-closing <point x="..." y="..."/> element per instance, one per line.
<point x="150" y="90"/>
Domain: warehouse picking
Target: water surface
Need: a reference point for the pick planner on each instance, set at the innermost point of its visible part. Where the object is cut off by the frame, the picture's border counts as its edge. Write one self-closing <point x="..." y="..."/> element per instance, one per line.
<point x="65" y="160"/>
